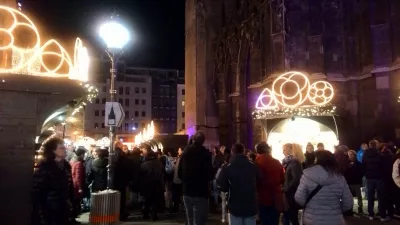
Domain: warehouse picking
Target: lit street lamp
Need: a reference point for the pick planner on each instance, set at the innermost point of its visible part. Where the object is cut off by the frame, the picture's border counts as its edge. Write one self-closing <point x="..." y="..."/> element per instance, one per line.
<point x="115" y="37"/>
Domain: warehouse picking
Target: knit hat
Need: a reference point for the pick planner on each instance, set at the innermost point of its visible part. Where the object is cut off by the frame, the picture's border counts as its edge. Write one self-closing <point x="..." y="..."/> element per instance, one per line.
<point x="80" y="152"/>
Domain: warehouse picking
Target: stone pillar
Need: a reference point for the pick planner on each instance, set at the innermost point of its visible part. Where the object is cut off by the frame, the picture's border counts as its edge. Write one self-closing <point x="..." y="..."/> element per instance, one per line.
<point x="200" y="102"/>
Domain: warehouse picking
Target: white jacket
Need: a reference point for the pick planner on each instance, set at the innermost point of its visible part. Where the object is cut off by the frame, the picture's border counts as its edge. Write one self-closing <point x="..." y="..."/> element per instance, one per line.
<point x="396" y="172"/>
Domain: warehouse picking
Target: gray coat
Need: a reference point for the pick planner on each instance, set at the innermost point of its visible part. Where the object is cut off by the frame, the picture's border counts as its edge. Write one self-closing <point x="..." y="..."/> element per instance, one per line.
<point x="327" y="206"/>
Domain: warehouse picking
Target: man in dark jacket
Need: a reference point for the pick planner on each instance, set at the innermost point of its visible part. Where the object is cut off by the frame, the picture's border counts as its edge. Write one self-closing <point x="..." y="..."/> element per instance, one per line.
<point x="196" y="172"/>
<point x="372" y="163"/>
<point x="242" y="201"/>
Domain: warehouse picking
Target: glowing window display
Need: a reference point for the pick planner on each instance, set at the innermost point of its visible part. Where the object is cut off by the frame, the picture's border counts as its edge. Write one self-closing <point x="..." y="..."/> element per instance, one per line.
<point x="300" y="131"/>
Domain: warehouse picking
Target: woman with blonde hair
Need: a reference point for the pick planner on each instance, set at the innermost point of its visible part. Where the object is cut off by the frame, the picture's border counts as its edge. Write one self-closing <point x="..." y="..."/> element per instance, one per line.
<point x="292" y="163"/>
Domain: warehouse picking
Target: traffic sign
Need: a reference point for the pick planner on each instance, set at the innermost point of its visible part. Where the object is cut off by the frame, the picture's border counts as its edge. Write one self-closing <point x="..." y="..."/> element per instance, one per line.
<point x="114" y="114"/>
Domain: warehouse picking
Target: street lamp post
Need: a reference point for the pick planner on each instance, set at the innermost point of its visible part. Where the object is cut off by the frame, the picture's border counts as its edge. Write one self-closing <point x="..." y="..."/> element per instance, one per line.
<point x="115" y="36"/>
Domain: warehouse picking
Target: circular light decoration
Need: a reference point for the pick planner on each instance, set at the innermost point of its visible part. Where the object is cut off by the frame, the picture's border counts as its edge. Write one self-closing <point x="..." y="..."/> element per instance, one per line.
<point x="291" y="89"/>
<point x="266" y="100"/>
<point x="104" y="142"/>
<point x="321" y="93"/>
<point x="29" y="59"/>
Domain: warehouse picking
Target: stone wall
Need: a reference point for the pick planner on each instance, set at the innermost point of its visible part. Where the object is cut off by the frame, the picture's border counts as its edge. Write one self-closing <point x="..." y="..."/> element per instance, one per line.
<point x="25" y="102"/>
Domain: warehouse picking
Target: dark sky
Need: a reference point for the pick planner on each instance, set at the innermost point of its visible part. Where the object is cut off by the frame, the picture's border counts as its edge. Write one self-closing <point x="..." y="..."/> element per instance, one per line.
<point x="157" y="26"/>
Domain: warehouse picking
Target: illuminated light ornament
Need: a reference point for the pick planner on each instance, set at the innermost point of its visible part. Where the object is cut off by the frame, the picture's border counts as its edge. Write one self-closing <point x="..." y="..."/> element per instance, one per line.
<point x="145" y="134"/>
<point x="29" y="60"/>
<point x="293" y="94"/>
<point x="291" y="89"/>
<point x="266" y="100"/>
<point x="321" y="93"/>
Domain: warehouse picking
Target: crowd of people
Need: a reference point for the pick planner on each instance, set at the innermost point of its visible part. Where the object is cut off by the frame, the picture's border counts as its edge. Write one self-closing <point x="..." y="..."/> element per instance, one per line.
<point x="249" y="186"/>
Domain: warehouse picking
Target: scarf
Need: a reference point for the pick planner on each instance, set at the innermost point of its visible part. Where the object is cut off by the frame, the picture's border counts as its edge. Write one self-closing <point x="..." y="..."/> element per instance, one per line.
<point x="286" y="161"/>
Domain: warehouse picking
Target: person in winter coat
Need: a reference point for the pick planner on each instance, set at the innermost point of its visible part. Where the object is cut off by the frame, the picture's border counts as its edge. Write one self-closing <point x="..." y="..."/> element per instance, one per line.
<point x="292" y="163"/>
<point x="372" y="163"/>
<point x="176" y="185"/>
<point x="196" y="172"/>
<point x="78" y="178"/>
<point x="309" y="156"/>
<point x="242" y="201"/>
<point x="390" y="187"/>
<point x="52" y="186"/>
<point x="342" y="158"/>
<point x="152" y="183"/>
<point x="333" y="197"/>
<point x="353" y="176"/>
<point x="97" y="176"/>
<point x="269" y="187"/>
<point x="360" y="153"/>
<point x="122" y="176"/>
<point x="224" y="195"/>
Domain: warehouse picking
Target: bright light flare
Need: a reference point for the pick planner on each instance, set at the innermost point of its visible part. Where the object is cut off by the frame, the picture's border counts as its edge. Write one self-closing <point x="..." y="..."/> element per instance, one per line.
<point x="114" y="35"/>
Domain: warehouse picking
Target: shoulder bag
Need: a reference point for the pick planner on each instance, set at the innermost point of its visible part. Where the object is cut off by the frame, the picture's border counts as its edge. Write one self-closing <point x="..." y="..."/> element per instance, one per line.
<point x="312" y="194"/>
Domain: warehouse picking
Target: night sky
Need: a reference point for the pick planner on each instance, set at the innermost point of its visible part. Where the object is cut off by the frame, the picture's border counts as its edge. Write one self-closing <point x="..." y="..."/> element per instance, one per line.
<point x="157" y="26"/>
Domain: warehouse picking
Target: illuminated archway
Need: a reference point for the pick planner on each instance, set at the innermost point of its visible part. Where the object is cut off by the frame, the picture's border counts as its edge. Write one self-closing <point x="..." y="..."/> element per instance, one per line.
<point x="300" y="131"/>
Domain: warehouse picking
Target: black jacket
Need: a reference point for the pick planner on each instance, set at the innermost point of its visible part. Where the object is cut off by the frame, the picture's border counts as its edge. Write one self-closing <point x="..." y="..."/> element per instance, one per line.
<point x="239" y="179"/>
<point x="195" y="171"/>
<point x="152" y="177"/>
<point x="98" y="175"/>
<point x="52" y="193"/>
<point x="354" y="173"/>
<point x="372" y="163"/>
<point x="293" y="173"/>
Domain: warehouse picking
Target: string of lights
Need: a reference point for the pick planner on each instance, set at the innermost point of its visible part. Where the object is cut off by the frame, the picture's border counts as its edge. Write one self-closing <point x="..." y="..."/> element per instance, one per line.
<point x="327" y="110"/>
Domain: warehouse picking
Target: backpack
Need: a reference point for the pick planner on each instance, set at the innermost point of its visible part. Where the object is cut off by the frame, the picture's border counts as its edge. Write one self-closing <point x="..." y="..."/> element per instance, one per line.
<point x="169" y="165"/>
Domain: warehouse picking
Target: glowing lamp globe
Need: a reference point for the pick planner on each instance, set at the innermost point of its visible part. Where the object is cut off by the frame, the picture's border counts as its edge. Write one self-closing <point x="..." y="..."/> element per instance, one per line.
<point x="114" y="35"/>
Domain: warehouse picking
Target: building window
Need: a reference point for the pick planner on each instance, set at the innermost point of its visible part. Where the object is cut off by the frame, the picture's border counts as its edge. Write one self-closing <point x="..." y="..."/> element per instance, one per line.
<point x="136" y="113"/>
<point x="136" y="90"/>
<point x="104" y="89"/>
<point x="96" y="113"/>
<point x="136" y="125"/>
<point x="103" y="101"/>
<point x="183" y="91"/>
<point x="126" y="126"/>
<point x="127" y="102"/>
<point x="126" y="113"/>
<point x="143" y="101"/>
<point x="120" y="101"/>
<point x="143" y="125"/>
<point x="97" y="101"/>
<point x="121" y="91"/>
<point x="183" y="114"/>
<point x="136" y="101"/>
<point x="143" y="113"/>
<point x="103" y="113"/>
<point x="102" y="125"/>
<point x="143" y="90"/>
<point x="183" y="126"/>
<point x="96" y="125"/>
<point x="127" y="91"/>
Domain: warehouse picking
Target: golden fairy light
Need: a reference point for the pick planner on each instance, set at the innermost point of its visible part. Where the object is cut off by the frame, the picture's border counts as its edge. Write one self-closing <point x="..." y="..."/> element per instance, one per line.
<point x="30" y="61"/>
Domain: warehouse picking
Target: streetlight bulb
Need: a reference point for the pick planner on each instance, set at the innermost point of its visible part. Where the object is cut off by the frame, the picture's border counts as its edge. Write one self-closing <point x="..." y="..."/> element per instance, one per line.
<point x="114" y="35"/>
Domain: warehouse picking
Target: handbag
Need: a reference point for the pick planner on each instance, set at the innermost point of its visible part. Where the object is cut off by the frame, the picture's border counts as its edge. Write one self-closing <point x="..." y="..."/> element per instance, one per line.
<point x="312" y="194"/>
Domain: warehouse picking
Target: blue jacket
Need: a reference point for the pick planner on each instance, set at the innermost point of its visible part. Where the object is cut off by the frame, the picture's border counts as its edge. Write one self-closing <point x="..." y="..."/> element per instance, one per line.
<point x="360" y="155"/>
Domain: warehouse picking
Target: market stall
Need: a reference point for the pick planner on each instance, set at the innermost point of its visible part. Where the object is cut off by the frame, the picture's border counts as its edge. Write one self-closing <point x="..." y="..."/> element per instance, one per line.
<point x="291" y="107"/>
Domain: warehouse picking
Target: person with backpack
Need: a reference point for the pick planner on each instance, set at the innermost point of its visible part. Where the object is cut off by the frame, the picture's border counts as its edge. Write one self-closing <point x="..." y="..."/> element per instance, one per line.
<point x="323" y="192"/>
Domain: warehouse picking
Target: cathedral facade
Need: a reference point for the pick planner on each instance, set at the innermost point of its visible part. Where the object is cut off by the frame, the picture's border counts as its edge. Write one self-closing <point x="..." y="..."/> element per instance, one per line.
<point x="234" y="48"/>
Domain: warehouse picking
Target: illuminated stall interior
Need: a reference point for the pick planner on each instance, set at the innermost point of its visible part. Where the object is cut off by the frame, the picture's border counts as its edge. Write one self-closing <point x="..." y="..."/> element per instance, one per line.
<point x="294" y="98"/>
<point x="300" y="131"/>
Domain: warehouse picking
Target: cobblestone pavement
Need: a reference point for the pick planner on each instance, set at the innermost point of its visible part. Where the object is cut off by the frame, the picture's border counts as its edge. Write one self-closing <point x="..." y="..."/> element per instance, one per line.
<point x="214" y="219"/>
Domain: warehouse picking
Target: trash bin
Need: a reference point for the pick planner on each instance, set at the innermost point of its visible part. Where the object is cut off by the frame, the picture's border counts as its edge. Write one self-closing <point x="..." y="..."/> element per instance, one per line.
<point x="105" y="207"/>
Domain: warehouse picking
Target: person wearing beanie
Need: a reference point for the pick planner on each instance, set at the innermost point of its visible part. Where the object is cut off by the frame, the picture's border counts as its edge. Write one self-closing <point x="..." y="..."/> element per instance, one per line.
<point x="78" y="179"/>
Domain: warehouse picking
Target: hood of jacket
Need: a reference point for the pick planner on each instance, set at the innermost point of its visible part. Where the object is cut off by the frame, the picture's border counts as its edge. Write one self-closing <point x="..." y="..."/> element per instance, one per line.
<point x="320" y="176"/>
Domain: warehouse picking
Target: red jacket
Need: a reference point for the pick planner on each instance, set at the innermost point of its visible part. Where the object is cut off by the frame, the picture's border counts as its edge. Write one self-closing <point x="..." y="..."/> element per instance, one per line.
<point x="78" y="176"/>
<point x="271" y="179"/>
